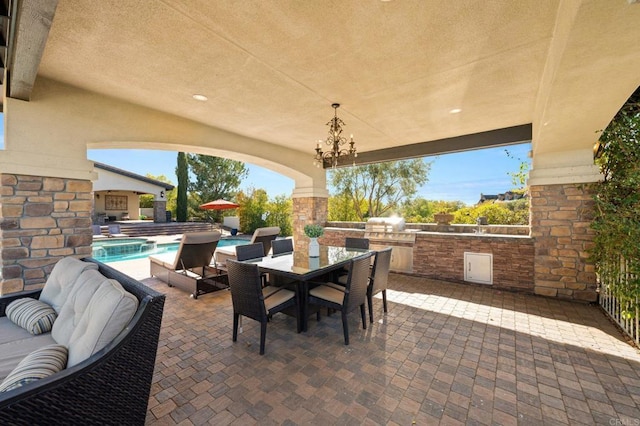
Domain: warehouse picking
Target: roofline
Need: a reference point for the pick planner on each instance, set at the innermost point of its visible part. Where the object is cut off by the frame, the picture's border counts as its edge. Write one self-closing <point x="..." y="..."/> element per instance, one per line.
<point x="166" y="186"/>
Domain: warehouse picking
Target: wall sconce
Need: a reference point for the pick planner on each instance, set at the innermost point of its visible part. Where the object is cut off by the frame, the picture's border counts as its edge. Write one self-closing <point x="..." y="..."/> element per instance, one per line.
<point x="161" y="194"/>
<point x="98" y="196"/>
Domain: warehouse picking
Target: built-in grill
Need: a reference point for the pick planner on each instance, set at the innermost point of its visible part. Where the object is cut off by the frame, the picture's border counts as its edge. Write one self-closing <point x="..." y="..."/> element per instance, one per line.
<point x="390" y="231"/>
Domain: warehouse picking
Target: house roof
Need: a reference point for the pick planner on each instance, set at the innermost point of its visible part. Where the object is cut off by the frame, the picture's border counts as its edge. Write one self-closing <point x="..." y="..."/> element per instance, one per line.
<point x="131" y="175"/>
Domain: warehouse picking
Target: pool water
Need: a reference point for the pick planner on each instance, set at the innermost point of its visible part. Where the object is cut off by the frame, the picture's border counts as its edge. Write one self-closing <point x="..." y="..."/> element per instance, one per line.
<point x="119" y="249"/>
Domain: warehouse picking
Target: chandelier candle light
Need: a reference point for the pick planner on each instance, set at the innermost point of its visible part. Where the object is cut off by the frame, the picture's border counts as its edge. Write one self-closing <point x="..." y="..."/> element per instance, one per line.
<point x="335" y="140"/>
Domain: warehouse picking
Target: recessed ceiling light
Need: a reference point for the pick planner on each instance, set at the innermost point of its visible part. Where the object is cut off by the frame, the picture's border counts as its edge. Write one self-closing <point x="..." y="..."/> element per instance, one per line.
<point x="455" y="111"/>
<point x="200" y="98"/>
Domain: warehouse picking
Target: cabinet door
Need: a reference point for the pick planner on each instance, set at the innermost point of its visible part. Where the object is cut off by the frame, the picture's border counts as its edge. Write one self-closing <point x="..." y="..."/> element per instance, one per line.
<point x="478" y="267"/>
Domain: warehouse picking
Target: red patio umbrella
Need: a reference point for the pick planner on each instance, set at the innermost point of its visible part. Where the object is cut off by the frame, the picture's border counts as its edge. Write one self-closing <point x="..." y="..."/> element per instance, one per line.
<point x="219" y="205"/>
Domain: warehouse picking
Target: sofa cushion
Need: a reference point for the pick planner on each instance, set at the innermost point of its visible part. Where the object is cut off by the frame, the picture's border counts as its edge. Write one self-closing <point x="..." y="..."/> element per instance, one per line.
<point x="21" y="344"/>
<point x="62" y="280"/>
<point x="98" y="309"/>
<point x="33" y="315"/>
<point x="37" y="365"/>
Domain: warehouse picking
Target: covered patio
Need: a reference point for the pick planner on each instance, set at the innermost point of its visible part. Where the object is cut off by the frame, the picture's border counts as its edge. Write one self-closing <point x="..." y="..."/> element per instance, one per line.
<point x="445" y="353"/>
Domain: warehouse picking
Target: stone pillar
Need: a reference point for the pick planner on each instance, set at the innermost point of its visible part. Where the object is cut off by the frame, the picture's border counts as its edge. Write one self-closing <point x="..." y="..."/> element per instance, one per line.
<point x="308" y="210"/>
<point x="560" y="226"/>
<point x="42" y="220"/>
<point x="159" y="211"/>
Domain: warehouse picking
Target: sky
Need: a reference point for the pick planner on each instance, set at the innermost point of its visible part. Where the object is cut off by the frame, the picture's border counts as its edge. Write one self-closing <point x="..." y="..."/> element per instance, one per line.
<point x="460" y="176"/>
<point x="453" y="177"/>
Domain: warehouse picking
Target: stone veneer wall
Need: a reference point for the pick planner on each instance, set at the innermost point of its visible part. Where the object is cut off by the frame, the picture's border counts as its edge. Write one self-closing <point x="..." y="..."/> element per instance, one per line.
<point x="307" y="210"/>
<point x="441" y="256"/>
<point x="561" y="216"/>
<point x="41" y="221"/>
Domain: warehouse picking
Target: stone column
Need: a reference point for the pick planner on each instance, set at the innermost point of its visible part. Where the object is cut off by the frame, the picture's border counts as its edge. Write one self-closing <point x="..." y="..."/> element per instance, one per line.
<point x="159" y="211"/>
<point x="308" y="207"/>
<point x="42" y="220"/>
<point x="561" y="214"/>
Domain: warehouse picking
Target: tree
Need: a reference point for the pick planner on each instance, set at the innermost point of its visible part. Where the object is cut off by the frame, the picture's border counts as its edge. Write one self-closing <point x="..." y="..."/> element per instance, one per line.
<point x="376" y="189"/>
<point x="616" y="252"/>
<point x="182" y="172"/>
<point x="519" y="178"/>
<point x="280" y="213"/>
<point x="422" y="210"/>
<point x="252" y="210"/>
<point x="215" y="178"/>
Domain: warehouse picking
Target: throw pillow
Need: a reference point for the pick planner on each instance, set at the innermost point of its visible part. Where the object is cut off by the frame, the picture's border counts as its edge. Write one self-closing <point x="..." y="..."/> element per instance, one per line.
<point x="37" y="365"/>
<point x="33" y="315"/>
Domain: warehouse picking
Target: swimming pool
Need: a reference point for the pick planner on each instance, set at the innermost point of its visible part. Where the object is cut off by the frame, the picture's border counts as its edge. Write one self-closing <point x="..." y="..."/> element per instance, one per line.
<point x="119" y="249"/>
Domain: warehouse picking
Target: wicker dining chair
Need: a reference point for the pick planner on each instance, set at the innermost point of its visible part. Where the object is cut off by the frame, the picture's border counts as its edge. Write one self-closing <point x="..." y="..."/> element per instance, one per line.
<point x="251" y="252"/>
<point x="351" y="243"/>
<point x="250" y="300"/>
<point x="378" y="279"/>
<point x="353" y="295"/>
<point x="282" y="246"/>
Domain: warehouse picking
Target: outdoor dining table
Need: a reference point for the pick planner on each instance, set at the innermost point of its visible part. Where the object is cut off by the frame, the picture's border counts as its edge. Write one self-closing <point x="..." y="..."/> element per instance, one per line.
<point x="298" y="267"/>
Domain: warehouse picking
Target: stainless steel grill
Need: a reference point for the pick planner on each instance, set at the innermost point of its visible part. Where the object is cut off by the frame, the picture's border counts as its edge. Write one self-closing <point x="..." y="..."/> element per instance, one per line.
<point x="390" y="231"/>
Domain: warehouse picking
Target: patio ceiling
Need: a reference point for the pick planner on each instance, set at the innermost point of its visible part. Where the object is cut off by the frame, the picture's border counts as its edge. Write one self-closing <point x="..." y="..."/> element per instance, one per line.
<point x="271" y="69"/>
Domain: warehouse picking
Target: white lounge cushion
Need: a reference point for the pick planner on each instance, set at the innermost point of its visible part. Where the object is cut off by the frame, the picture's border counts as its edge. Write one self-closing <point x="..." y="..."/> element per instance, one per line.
<point x="33" y="315"/>
<point x="39" y="364"/>
<point x="62" y="279"/>
<point x="98" y="309"/>
<point x="21" y="344"/>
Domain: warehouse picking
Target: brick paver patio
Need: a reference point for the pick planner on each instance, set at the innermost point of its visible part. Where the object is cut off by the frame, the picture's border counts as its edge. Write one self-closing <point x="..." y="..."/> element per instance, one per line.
<point x="444" y="354"/>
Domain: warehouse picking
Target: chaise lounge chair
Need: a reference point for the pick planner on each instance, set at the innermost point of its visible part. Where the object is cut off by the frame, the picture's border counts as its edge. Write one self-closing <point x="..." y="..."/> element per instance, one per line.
<point x="97" y="232"/>
<point x="114" y="231"/>
<point x="190" y="268"/>
<point x="260" y="235"/>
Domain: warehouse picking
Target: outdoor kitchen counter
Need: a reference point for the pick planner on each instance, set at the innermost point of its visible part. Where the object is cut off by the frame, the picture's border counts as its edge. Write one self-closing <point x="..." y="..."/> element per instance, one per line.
<point x="441" y="255"/>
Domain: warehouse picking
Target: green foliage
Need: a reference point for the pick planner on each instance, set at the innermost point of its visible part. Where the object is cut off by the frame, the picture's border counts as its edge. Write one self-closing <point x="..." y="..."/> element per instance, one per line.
<point x="422" y="210"/>
<point x="616" y="252"/>
<point x="519" y="178"/>
<point x="143" y="217"/>
<point x="182" y="172"/>
<point x="280" y="213"/>
<point x="313" y="230"/>
<point x="214" y="178"/>
<point x="497" y="213"/>
<point x="146" y="201"/>
<point x="377" y="189"/>
<point x="252" y="210"/>
<point x="341" y="208"/>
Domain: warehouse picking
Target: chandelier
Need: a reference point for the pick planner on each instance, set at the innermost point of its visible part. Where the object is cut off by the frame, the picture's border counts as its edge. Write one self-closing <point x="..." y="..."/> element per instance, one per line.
<point x="335" y="141"/>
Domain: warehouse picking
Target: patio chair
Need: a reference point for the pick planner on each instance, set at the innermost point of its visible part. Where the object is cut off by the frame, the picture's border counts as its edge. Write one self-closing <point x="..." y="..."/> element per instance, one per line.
<point x="251" y="252"/>
<point x="283" y="246"/>
<point x="351" y="243"/>
<point x="250" y="300"/>
<point x="190" y="267"/>
<point x="378" y="279"/>
<point x="115" y="232"/>
<point x="97" y="232"/>
<point x="347" y="299"/>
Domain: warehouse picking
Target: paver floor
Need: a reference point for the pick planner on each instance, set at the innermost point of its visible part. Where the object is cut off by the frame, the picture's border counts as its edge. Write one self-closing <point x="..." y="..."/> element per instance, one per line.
<point x="444" y="354"/>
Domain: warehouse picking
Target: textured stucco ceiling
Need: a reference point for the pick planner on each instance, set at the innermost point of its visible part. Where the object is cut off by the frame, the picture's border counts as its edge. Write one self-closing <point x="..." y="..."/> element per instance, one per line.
<point x="271" y="69"/>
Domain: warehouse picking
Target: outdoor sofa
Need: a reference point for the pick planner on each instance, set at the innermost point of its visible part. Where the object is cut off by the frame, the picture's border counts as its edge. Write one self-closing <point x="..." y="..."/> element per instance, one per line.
<point x="110" y="325"/>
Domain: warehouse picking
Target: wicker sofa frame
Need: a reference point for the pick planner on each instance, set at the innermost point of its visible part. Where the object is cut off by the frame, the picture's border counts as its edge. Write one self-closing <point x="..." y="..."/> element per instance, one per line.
<point x="110" y="387"/>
